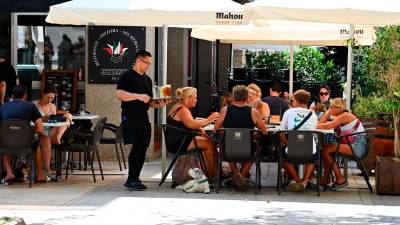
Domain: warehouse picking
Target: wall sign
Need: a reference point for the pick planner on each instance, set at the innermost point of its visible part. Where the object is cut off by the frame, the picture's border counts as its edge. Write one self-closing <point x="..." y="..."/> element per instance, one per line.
<point x="65" y="81"/>
<point x="111" y="51"/>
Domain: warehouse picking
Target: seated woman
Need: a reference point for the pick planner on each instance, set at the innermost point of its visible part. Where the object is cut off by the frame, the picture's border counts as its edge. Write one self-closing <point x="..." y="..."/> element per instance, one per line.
<point x="240" y="115"/>
<point x="324" y="98"/>
<point x="255" y="102"/>
<point x="51" y="135"/>
<point x="347" y="122"/>
<point x="181" y="117"/>
<point x="226" y="99"/>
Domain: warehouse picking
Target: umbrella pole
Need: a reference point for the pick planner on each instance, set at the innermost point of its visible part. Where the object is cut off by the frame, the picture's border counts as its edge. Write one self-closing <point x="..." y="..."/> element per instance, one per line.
<point x="349" y="67"/>
<point x="291" y="69"/>
<point x="164" y="109"/>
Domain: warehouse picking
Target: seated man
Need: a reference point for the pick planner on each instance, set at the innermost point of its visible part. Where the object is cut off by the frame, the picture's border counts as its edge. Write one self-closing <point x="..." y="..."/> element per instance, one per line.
<point x="240" y="115"/>
<point x="291" y="119"/>
<point x="23" y="110"/>
<point x="277" y="105"/>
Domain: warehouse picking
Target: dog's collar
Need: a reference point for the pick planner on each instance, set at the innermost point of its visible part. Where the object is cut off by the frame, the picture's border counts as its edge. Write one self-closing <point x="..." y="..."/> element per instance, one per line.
<point x="202" y="181"/>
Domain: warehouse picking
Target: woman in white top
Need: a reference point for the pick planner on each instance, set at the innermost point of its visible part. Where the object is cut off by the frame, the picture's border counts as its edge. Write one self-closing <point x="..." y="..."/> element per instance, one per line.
<point x="347" y="123"/>
<point x="254" y="101"/>
<point x="53" y="135"/>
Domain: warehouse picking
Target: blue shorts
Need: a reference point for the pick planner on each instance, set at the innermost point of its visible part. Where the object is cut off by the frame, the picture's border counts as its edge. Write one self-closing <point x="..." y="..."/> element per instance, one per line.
<point x="360" y="145"/>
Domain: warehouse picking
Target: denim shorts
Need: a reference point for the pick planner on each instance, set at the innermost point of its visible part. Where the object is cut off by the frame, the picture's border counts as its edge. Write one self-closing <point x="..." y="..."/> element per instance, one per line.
<point x="360" y="145"/>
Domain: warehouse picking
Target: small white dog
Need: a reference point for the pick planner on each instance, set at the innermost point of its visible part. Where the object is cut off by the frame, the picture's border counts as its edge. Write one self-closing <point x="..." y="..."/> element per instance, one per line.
<point x="198" y="184"/>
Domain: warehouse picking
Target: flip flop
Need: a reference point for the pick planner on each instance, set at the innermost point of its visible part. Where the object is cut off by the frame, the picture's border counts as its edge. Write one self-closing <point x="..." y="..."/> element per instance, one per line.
<point x="296" y="187"/>
<point x="336" y="186"/>
<point x="6" y="181"/>
<point x="41" y="181"/>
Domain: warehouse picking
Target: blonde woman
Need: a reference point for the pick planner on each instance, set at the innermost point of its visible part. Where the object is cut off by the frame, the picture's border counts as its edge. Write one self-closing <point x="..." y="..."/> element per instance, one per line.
<point x="347" y="123"/>
<point x="254" y="101"/>
<point x="181" y="117"/>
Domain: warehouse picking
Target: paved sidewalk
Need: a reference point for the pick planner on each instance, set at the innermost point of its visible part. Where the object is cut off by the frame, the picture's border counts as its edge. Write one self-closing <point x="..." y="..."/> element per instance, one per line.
<point x="80" y="201"/>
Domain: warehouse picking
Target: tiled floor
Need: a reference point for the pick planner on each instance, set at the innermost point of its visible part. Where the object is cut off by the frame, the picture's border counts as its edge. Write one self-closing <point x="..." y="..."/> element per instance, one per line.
<point x="80" y="201"/>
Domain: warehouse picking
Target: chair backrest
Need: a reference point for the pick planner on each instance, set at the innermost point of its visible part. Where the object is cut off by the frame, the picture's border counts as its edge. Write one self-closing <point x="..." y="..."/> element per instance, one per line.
<point x="237" y="144"/>
<point x="16" y="135"/>
<point x="98" y="131"/>
<point x="300" y="146"/>
<point x="119" y="132"/>
<point x="170" y="131"/>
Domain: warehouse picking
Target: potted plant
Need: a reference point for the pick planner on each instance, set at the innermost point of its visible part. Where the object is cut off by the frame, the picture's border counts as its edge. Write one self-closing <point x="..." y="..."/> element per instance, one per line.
<point x="384" y="63"/>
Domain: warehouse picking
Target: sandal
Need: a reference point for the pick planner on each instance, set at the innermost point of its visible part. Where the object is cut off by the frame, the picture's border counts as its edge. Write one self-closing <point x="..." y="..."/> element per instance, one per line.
<point x="7" y="181"/>
<point x="336" y="186"/>
<point x="41" y="181"/>
<point x="296" y="187"/>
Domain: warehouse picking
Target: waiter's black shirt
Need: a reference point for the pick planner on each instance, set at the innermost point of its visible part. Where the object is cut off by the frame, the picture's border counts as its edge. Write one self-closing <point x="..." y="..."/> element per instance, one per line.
<point x="133" y="82"/>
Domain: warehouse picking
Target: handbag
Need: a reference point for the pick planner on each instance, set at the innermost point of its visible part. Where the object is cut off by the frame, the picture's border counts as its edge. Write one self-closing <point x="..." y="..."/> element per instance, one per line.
<point x="348" y="139"/>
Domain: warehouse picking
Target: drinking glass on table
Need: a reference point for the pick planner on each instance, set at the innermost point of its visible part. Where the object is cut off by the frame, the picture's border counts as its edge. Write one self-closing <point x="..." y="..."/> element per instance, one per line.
<point x="82" y="110"/>
<point x="65" y="106"/>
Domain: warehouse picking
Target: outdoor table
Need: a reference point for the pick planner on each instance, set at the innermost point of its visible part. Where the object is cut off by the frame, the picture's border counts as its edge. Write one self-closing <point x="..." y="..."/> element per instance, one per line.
<point x="85" y="117"/>
<point x="58" y="124"/>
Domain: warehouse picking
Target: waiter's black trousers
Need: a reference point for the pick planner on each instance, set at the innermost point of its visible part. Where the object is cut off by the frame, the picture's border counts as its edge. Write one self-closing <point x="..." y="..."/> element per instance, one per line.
<point x="137" y="157"/>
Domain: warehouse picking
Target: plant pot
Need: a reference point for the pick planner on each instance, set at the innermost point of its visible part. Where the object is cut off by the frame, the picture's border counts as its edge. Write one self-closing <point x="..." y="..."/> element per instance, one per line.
<point x="387" y="176"/>
<point x="384" y="136"/>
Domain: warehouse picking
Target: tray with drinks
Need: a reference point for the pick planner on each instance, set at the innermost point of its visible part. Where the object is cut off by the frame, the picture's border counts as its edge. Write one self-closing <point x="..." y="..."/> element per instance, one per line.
<point x="164" y="98"/>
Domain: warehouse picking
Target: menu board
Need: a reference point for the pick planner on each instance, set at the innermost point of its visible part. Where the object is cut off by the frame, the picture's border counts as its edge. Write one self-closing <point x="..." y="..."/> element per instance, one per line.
<point x="65" y="81"/>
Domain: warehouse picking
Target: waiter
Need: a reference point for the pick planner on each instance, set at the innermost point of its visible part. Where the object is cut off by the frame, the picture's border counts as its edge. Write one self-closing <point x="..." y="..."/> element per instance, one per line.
<point x="134" y="90"/>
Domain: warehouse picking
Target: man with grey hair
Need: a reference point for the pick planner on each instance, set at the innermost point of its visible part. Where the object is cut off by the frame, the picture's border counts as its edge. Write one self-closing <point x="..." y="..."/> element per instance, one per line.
<point x="8" y="79"/>
<point x="240" y="115"/>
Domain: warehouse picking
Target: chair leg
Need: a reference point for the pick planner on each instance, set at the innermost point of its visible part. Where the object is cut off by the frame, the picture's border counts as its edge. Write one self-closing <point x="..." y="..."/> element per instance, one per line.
<point x="318" y="176"/>
<point x="66" y="173"/>
<point x="98" y="160"/>
<point x="85" y="160"/>
<point x="122" y="154"/>
<point x="364" y="173"/>
<point x="119" y="161"/>
<point x="168" y="170"/>
<point x="72" y="162"/>
<point x="279" y="176"/>
<point x="32" y="166"/>
<point x="57" y="162"/>
<point x="217" y="176"/>
<point x="91" y="166"/>
<point x="257" y="175"/>
<point x="202" y="162"/>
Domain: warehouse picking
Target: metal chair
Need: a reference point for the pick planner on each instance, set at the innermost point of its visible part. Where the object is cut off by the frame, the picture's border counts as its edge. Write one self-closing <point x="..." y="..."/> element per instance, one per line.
<point x="354" y="157"/>
<point x="236" y="145"/>
<point x="300" y="151"/>
<point x="196" y="152"/>
<point x="90" y="145"/>
<point x="18" y="138"/>
<point x="116" y="140"/>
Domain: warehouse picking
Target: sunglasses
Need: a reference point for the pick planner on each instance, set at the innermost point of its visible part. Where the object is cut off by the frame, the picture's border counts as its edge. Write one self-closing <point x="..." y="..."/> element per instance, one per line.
<point x="323" y="93"/>
<point x="148" y="63"/>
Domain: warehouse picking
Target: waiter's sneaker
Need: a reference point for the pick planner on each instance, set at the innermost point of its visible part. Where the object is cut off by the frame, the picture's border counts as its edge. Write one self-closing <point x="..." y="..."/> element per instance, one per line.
<point x="135" y="185"/>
